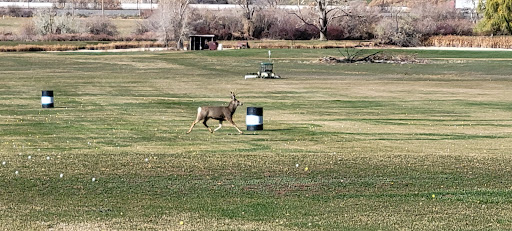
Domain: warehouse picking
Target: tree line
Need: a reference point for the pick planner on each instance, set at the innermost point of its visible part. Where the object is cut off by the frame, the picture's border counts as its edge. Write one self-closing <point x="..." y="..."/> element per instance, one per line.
<point x="256" y="19"/>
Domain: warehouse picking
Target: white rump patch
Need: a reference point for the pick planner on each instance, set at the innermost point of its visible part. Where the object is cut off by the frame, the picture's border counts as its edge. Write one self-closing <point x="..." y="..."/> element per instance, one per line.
<point x="198" y="110"/>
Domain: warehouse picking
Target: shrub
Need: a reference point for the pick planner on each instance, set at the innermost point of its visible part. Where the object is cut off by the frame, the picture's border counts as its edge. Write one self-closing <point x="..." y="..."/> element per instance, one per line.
<point x="142" y="27"/>
<point x="397" y="31"/>
<point x="101" y="26"/>
<point x="263" y="21"/>
<point x="43" y="21"/>
<point x="283" y="27"/>
<point x="143" y="32"/>
<point x="440" y="20"/>
<point x="280" y="24"/>
<point x="359" y="24"/>
<point x="6" y="36"/>
<point x="48" y="22"/>
<point x="15" y="11"/>
<point x="66" y="24"/>
<point x="27" y="32"/>
<point x="269" y="24"/>
<point x="226" y="25"/>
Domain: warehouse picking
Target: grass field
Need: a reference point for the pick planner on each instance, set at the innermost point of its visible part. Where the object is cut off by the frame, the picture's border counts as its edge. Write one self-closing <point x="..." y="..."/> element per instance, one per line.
<point x="347" y="146"/>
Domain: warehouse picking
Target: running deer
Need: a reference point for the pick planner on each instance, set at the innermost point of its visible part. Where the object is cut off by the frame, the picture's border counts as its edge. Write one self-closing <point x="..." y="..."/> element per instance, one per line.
<point x="218" y="113"/>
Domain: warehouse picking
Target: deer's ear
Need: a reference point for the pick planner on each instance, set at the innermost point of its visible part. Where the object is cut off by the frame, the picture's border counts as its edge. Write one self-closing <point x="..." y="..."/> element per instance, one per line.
<point x="232" y="95"/>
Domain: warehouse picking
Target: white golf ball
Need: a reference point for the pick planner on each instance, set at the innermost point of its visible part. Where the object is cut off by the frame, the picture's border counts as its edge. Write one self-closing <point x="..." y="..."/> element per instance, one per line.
<point x="61" y="175"/>
<point x="146" y="160"/>
<point x="296" y="165"/>
<point x="3" y="163"/>
<point x="16" y="172"/>
<point x="93" y="179"/>
<point x="48" y="158"/>
<point x="29" y="157"/>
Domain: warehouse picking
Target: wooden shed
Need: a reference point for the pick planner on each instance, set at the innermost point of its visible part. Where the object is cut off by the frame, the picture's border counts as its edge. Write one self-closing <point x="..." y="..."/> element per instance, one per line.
<point x="200" y="42"/>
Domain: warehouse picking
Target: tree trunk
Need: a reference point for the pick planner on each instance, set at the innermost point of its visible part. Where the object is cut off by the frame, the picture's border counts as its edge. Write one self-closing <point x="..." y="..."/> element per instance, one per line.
<point x="248" y="28"/>
<point x="323" y="20"/>
<point x="323" y="36"/>
<point x="179" y="44"/>
<point x="323" y="28"/>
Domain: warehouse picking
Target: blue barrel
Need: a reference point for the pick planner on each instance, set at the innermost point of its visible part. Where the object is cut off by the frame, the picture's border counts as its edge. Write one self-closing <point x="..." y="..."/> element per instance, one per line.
<point x="47" y="99"/>
<point x="254" y="119"/>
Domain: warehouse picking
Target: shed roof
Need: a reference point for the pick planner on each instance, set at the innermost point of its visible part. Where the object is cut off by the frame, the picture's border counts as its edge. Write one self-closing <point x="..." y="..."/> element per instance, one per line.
<point x="203" y="35"/>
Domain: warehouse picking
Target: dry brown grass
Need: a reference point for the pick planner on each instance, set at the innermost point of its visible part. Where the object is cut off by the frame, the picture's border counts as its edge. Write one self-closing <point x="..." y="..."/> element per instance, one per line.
<point x="122" y="45"/>
<point x="263" y="44"/>
<point x="470" y="41"/>
<point x="304" y="44"/>
<point x="71" y="47"/>
<point x="184" y="221"/>
<point x="408" y="3"/>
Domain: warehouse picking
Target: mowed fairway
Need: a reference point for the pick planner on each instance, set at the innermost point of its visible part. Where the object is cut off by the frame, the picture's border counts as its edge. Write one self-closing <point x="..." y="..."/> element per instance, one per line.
<point x="347" y="146"/>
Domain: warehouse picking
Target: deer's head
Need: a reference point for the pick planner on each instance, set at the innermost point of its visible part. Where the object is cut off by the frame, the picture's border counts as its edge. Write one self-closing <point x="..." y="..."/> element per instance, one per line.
<point x="234" y="101"/>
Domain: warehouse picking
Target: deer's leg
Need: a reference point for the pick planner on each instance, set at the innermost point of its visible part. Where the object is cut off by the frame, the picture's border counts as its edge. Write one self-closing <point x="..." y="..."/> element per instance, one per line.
<point x="198" y="118"/>
<point x="220" y="125"/>
<point x="193" y="123"/>
<point x="231" y="121"/>
<point x="206" y="125"/>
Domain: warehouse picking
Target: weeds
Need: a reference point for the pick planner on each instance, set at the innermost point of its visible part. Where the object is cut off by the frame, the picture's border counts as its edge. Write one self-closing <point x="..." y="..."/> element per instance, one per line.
<point x="58" y="47"/>
<point x="470" y="41"/>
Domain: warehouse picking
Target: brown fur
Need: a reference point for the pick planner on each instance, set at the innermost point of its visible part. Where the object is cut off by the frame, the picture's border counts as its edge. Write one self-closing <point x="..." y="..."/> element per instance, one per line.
<point x="219" y="113"/>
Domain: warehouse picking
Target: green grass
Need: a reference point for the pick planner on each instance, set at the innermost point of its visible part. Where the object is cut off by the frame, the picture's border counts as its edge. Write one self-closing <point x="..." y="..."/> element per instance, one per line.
<point x="386" y="147"/>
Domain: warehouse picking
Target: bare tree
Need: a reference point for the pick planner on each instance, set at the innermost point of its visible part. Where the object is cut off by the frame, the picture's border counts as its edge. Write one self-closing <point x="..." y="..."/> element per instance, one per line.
<point x="171" y="21"/>
<point x="249" y="8"/>
<point x="325" y="13"/>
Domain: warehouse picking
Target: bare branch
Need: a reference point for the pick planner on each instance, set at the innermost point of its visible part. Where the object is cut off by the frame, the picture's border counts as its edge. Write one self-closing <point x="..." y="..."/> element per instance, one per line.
<point x="304" y="20"/>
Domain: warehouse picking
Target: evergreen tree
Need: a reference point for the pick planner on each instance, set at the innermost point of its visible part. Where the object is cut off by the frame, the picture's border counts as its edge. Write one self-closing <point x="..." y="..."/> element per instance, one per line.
<point x="497" y="17"/>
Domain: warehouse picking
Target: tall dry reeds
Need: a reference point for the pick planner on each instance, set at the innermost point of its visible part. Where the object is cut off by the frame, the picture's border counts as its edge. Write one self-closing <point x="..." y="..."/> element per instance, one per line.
<point x="28" y="47"/>
<point x="122" y="45"/>
<point x="71" y="47"/>
<point x="300" y="44"/>
<point x="470" y="41"/>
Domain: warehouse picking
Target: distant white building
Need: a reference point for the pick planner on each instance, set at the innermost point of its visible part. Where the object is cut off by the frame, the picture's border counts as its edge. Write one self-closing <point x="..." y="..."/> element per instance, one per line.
<point x="466" y="4"/>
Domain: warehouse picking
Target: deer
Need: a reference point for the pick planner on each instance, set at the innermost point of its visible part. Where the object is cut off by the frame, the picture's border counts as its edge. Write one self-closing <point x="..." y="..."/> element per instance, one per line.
<point x="219" y="113"/>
